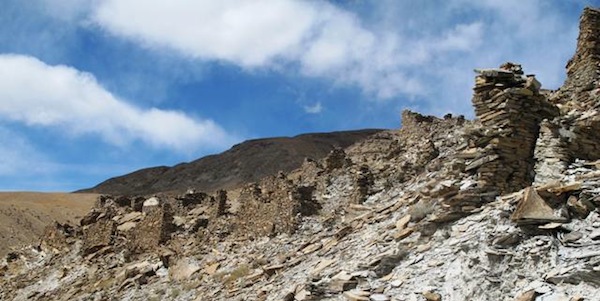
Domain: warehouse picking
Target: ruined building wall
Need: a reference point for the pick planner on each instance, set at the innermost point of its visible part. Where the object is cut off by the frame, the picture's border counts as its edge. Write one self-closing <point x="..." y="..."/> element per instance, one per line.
<point x="580" y="94"/>
<point x="273" y="206"/>
<point x="511" y="108"/>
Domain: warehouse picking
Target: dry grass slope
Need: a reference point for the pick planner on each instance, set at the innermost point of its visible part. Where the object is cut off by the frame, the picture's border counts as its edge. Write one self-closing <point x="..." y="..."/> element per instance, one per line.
<point x="23" y="215"/>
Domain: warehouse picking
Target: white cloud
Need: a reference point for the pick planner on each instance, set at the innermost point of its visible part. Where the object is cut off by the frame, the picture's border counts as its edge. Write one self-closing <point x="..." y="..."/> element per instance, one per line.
<point x="314" y="109"/>
<point x="318" y="38"/>
<point x="249" y="33"/>
<point x="404" y="50"/>
<point x="477" y="34"/>
<point x="37" y="94"/>
<point x="463" y="37"/>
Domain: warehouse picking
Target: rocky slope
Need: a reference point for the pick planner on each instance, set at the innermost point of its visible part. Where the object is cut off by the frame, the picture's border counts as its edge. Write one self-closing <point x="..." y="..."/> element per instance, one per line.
<point x="504" y="207"/>
<point x="246" y="162"/>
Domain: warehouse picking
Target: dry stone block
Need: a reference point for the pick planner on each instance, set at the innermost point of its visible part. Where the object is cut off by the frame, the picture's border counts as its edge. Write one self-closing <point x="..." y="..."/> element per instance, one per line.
<point x="153" y="230"/>
<point x="98" y="235"/>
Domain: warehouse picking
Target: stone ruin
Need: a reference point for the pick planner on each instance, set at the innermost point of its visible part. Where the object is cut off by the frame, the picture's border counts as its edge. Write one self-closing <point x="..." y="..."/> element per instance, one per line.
<point x="274" y="205"/>
<point x="533" y="135"/>
<point x="530" y="145"/>
<point x="527" y="137"/>
<point x="524" y="134"/>
<point x="137" y="224"/>
<point x="418" y="130"/>
<point x="510" y="106"/>
<point x="153" y="229"/>
<point x="57" y="236"/>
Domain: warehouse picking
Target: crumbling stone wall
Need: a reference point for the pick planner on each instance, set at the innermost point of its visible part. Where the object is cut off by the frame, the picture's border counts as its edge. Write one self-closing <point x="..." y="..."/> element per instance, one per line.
<point x="421" y="130"/>
<point x="191" y="198"/>
<point x="221" y="199"/>
<point x="364" y="181"/>
<point x="581" y="90"/>
<point x="510" y="106"/>
<point x="417" y="135"/>
<point x="153" y="230"/>
<point x="98" y="235"/>
<point x="273" y="206"/>
<point x="309" y="173"/>
<point x="585" y="143"/>
<point x="57" y="236"/>
<point x="336" y="159"/>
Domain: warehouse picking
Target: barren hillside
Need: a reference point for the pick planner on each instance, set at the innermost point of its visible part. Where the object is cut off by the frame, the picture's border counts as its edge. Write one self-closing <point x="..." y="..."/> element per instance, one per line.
<point x="23" y="215"/>
<point x="244" y="163"/>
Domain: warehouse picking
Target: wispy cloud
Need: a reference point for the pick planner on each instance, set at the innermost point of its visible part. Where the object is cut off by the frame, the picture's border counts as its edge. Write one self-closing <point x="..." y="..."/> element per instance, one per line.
<point x="316" y="38"/>
<point x="37" y="94"/>
<point x="394" y="54"/>
<point x="541" y="35"/>
<point x="314" y="109"/>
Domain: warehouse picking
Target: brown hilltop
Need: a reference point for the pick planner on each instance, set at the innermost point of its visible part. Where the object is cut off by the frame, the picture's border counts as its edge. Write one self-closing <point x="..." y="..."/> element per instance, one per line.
<point x="243" y="163"/>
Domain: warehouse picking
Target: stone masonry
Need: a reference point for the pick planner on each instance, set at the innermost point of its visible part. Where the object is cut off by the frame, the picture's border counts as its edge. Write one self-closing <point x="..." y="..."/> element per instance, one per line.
<point x="273" y="206"/>
<point x="510" y="106"/>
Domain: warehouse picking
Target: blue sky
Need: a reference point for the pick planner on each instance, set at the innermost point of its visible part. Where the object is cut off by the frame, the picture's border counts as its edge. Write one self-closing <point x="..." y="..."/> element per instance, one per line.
<point x="95" y="89"/>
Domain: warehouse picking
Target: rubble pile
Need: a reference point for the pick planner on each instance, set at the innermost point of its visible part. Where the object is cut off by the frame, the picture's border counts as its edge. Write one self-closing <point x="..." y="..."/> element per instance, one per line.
<point x="504" y="207"/>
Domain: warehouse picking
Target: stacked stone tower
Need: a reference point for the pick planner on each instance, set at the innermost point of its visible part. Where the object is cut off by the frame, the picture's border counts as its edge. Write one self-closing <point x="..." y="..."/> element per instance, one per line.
<point x="509" y="104"/>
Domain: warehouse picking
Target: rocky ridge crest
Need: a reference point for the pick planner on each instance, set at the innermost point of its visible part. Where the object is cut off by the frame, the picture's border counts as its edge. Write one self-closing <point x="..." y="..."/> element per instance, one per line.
<point x="504" y="207"/>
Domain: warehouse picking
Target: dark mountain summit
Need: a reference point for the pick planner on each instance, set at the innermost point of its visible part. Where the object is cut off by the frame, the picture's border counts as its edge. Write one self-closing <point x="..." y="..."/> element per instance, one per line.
<point x="243" y="163"/>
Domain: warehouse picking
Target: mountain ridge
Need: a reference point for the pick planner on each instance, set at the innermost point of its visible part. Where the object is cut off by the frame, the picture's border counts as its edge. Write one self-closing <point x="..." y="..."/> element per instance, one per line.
<point x="243" y="163"/>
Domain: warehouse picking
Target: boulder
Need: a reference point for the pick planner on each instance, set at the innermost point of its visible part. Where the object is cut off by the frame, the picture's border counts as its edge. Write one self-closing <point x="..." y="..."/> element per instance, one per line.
<point x="532" y="209"/>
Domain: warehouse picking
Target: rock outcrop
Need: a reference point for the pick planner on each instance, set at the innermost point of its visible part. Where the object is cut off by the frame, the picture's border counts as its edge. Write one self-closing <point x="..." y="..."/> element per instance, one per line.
<point x="583" y="77"/>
